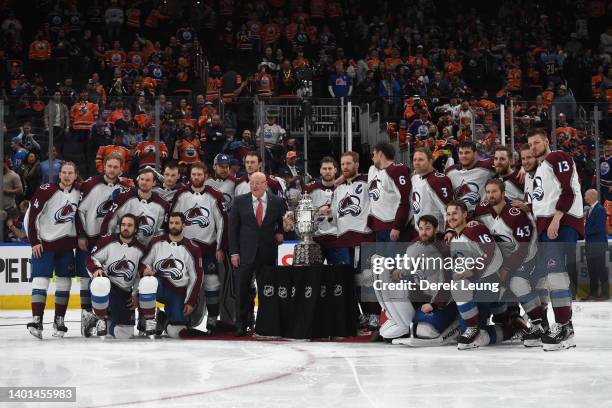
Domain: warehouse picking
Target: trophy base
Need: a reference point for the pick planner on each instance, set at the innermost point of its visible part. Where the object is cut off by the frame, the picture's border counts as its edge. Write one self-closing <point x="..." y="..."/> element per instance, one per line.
<point x="307" y="254"/>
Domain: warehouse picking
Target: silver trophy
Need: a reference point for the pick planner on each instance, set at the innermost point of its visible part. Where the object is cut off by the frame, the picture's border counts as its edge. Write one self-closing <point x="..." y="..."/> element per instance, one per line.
<point x="307" y="252"/>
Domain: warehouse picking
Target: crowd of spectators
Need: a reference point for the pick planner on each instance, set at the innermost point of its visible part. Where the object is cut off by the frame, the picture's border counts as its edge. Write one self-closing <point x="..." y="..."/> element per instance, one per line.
<point x="92" y="73"/>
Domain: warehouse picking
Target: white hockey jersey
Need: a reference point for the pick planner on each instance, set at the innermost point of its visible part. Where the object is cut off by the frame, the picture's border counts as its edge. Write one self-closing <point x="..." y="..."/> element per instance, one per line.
<point x="97" y="197"/>
<point x="227" y="187"/>
<point x="513" y="230"/>
<point x="474" y="243"/>
<point x="556" y="187"/>
<point x="321" y="195"/>
<point x="168" y="193"/>
<point x="52" y="217"/>
<point x="389" y="191"/>
<point x="151" y="214"/>
<point x="205" y="220"/>
<point x="178" y="264"/>
<point x="515" y="190"/>
<point x="350" y="210"/>
<point x="430" y="194"/>
<point x="120" y="261"/>
<point x="468" y="184"/>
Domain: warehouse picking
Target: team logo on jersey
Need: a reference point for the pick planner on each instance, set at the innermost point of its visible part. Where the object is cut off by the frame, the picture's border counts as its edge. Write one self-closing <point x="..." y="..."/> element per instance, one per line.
<point x="190" y="151"/>
<point x="374" y="190"/>
<point x="538" y="191"/>
<point x="66" y="214"/>
<point x="468" y="193"/>
<point x="146" y="225"/>
<point x="170" y="268"/>
<point x="268" y="291"/>
<point x="416" y="202"/>
<point x="514" y="211"/>
<point x="282" y="292"/>
<point x="149" y="149"/>
<point x="349" y="205"/>
<point x="123" y="268"/>
<point x="199" y="216"/>
<point x="227" y="202"/>
<point x="104" y="207"/>
<point x="604" y="168"/>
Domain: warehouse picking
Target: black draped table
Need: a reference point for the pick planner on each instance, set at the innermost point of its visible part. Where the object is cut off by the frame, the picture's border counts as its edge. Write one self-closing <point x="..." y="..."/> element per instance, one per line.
<point x="306" y="302"/>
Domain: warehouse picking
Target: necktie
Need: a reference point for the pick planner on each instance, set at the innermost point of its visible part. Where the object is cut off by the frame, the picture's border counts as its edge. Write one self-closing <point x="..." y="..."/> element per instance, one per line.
<point x="259" y="212"/>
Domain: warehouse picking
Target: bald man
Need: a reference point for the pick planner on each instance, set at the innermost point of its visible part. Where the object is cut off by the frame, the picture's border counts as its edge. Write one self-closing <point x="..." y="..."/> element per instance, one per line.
<point x="596" y="245"/>
<point x="255" y="231"/>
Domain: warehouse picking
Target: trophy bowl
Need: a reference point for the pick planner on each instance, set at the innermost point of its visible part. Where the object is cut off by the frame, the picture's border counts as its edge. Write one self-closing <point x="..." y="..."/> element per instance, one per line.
<point x="307" y="252"/>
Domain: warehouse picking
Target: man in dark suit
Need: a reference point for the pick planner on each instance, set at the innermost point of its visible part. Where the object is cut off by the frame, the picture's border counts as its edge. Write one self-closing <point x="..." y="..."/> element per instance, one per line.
<point x="255" y="231"/>
<point x="596" y="245"/>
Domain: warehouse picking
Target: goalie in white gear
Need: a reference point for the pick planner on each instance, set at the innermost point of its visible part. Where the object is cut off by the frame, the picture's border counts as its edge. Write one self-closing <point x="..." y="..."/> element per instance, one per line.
<point x="430" y="313"/>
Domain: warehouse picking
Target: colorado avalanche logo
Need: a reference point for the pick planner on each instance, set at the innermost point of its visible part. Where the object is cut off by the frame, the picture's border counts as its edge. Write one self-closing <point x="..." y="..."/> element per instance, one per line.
<point x="349" y="205"/>
<point x="170" y="268"/>
<point x="66" y="214"/>
<point x="146" y="225"/>
<point x="468" y="193"/>
<point x="227" y="202"/>
<point x="416" y="202"/>
<point x="123" y="268"/>
<point x="373" y="190"/>
<point x="197" y="216"/>
<point x="538" y="191"/>
<point x="104" y="208"/>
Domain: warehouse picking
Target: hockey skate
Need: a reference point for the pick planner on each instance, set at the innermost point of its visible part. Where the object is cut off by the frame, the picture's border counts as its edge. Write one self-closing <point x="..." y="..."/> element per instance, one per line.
<point x="150" y="328"/>
<point x="59" y="327"/>
<point x="101" y="330"/>
<point x="559" y="337"/>
<point x="162" y="322"/>
<point x="472" y="338"/>
<point x="88" y="322"/>
<point x="35" y="327"/>
<point x="211" y="324"/>
<point x="532" y="337"/>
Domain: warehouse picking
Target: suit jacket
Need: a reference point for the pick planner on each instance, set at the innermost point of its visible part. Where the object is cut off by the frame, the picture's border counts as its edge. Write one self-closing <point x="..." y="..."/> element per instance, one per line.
<point x="596" y="225"/>
<point x="246" y="238"/>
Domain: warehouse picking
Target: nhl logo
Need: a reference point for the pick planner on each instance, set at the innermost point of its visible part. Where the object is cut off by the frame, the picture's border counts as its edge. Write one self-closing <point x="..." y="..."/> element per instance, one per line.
<point x="308" y="292"/>
<point x="338" y="290"/>
<point x="323" y="291"/>
<point x="268" y="291"/>
<point x="282" y="292"/>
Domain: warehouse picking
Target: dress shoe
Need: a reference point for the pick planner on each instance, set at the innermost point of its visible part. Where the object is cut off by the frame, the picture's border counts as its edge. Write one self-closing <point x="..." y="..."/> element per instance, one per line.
<point x="241" y="332"/>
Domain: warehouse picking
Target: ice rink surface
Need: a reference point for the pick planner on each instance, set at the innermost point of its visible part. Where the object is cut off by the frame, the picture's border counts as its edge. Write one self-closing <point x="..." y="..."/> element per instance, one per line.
<point x="169" y="373"/>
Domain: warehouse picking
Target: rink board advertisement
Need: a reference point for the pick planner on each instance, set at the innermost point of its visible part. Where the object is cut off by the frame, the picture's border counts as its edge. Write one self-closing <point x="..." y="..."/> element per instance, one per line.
<point x="15" y="274"/>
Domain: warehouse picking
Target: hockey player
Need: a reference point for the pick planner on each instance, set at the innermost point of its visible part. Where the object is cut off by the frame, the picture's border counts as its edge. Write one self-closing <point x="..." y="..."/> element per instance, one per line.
<point x="97" y="196"/>
<point x="389" y="187"/>
<point x="431" y="191"/>
<point x="222" y="180"/>
<point x="149" y="207"/>
<point x="252" y="164"/>
<point x="205" y="226"/>
<point x="321" y="192"/>
<point x="51" y="225"/>
<point x="515" y="233"/>
<point x="475" y="244"/>
<point x="469" y="176"/>
<point x="113" y="266"/>
<point x="513" y="179"/>
<point x="429" y="312"/>
<point x="171" y="183"/>
<point x="172" y="275"/>
<point x="558" y="208"/>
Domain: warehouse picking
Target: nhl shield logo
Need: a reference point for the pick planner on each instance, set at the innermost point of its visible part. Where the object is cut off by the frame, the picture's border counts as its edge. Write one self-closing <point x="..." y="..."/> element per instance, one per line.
<point x="282" y="292"/>
<point x="338" y="290"/>
<point x="308" y="292"/>
<point x="268" y="291"/>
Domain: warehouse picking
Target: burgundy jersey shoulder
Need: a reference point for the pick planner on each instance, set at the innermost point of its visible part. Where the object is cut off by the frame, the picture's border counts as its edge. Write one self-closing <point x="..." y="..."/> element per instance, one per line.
<point x="90" y="183"/>
<point x="273" y="184"/>
<point x="136" y="243"/>
<point x="124" y="196"/>
<point x="156" y="239"/>
<point x="103" y="241"/>
<point x="482" y="209"/>
<point x="557" y="156"/>
<point x="456" y="166"/>
<point x="45" y="191"/>
<point x="475" y="232"/>
<point x="515" y="217"/>
<point x="312" y="186"/>
<point x="485" y="164"/>
<point x="215" y="193"/>
<point x="438" y="180"/>
<point x="362" y="177"/>
<point x="192" y="248"/>
<point x="514" y="179"/>
<point x="156" y="198"/>
<point x="396" y="170"/>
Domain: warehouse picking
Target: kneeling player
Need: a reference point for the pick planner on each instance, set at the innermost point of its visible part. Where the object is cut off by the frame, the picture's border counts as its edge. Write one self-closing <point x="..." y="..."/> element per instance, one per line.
<point x="172" y="275"/>
<point x="435" y="320"/>
<point x="113" y="266"/>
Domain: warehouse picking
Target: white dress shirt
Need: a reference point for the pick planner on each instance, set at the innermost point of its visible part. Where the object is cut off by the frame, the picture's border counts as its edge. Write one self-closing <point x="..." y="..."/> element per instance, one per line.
<point x="264" y="201"/>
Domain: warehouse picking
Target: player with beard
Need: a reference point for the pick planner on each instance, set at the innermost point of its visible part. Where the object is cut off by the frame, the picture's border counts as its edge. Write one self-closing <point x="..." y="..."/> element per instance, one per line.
<point x="171" y="183"/>
<point x="252" y="164"/>
<point x="558" y="208"/>
<point x="321" y="192"/>
<point x="514" y="232"/>
<point x="172" y="275"/>
<point x="469" y="176"/>
<point x="145" y="204"/>
<point x="97" y="196"/>
<point x="205" y="226"/>
<point x="113" y="267"/>
<point x="431" y="191"/>
<point x="512" y="178"/>
<point x="223" y="181"/>
<point x="389" y="187"/>
<point x="474" y="242"/>
<point x="52" y="232"/>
